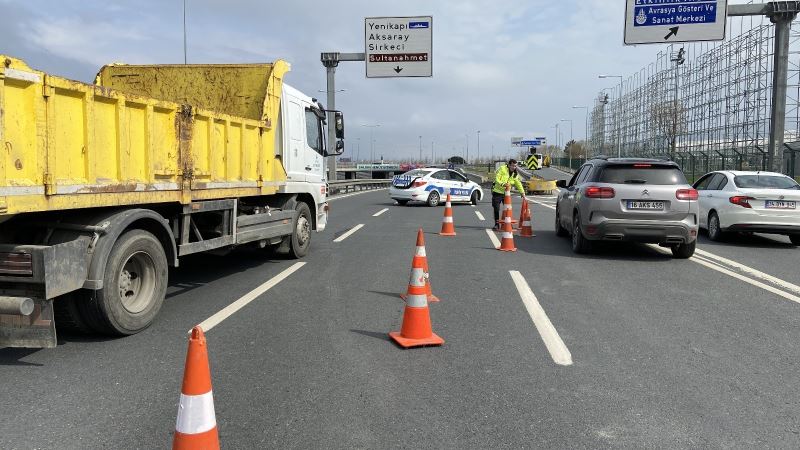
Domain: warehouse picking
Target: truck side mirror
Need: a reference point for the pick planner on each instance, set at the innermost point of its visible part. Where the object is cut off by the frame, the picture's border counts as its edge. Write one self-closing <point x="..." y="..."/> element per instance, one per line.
<point x="339" y="147"/>
<point x="339" y="124"/>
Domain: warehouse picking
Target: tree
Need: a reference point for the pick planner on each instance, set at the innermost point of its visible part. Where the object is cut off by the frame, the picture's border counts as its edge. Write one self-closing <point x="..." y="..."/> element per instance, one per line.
<point x="575" y="149"/>
<point x="455" y="160"/>
<point x="669" y="121"/>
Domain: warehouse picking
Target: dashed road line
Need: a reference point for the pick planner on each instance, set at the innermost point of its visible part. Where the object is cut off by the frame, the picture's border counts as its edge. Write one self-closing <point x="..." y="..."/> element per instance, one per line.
<point x="558" y="350"/>
<point x="229" y="310"/>
<point x="493" y="238"/>
<point x="480" y="216"/>
<point x="348" y="233"/>
<point x="380" y="212"/>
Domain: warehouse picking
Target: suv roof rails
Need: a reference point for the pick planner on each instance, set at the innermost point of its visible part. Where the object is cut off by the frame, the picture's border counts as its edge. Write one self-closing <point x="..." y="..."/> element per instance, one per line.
<point x="603" y="157"/>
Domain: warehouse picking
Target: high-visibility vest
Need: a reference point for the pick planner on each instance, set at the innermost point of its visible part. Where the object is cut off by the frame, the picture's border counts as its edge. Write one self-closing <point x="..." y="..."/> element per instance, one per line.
<point x="502" y="177"/>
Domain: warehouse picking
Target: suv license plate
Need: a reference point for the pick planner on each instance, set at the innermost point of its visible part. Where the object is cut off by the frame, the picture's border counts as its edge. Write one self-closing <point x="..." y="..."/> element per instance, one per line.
<point x="637" y="204"/>
<point x="779" y="204"/>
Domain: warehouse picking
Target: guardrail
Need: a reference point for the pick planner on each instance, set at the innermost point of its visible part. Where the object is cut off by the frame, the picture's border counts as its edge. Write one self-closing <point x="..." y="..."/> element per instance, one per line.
<point x="347" y="186"/>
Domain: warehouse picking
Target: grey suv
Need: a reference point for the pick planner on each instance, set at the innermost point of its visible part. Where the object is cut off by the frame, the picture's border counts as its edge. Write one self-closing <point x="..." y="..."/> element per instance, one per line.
<point x="628" y="199"/>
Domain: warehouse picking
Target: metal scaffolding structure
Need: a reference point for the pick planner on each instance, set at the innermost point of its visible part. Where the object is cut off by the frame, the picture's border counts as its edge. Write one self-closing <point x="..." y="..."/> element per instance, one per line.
<point x="711" y="112"/>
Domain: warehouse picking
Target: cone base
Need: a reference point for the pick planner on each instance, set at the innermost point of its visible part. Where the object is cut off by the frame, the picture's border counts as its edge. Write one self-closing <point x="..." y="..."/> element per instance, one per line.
<point x="433" y="339"/>
<point x="447" y="234"/>
<point x="431" y="298"/>
<point x="507" y="249"/>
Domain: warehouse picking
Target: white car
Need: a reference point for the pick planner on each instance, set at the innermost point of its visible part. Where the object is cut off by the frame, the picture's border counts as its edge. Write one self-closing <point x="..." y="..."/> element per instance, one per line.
<point x="432" y="185"/>
<point x="737" y="201"/>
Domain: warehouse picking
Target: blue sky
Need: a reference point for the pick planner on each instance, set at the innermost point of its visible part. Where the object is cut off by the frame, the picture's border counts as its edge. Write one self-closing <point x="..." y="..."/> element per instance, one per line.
<point x="506" y="68"/>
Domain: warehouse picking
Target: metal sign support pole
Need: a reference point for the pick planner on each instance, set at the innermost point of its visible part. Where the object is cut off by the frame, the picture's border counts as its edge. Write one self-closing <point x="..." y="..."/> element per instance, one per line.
<point x="781" y="14"/>
<point x="331" y="60"/>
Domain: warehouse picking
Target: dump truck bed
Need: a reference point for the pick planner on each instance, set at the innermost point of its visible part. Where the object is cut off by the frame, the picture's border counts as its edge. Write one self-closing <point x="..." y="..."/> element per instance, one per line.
<point x="142" y="135"/>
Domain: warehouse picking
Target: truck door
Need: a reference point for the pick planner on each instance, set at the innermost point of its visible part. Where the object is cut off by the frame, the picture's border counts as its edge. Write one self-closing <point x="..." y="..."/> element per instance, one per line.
<point x="295" y="140"/>
<point x="313" y="154"/>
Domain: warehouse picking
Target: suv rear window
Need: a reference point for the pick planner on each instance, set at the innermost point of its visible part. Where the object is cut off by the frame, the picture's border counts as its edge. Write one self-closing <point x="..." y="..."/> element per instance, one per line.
<point x="642" y="175"/>
<point x="765" y="182"/>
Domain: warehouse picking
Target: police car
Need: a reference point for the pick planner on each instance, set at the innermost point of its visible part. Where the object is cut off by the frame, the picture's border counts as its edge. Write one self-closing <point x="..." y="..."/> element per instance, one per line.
<point x="432" y="185"/>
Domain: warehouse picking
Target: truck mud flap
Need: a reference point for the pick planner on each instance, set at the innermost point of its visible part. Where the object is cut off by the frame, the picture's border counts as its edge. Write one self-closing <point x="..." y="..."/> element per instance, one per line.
<point x="35" y="330"/>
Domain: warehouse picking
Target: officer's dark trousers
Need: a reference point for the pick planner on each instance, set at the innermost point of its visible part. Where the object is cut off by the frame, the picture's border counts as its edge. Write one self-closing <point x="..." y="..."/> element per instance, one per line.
<point x="497" y="200"/>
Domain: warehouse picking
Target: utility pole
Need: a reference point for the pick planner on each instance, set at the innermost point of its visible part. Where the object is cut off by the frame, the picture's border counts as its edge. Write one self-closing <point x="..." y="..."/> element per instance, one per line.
<point x="420" y="149"/>
<point x="678" y="59"/>
<point x="433" y="158"/>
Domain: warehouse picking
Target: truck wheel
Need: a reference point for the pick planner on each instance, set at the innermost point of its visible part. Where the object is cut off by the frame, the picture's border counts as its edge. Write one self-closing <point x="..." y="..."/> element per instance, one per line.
<point x="301" y="238"/>
<point x="134" y="284"/>
<point x="68" y="316"/>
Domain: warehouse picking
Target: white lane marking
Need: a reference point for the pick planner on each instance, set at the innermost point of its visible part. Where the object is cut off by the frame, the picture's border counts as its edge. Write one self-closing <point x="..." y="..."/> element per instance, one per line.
<point x="229" y="310"/>
<point x="480" y="216"/>
<point x="472" y="205"/>
<point x="542" y="204"/>
<point x="339" y="197"/>
<point x="380" y="212"/>
<point x="751" y="271"/>
<point x="495" y="241"/>
<point x="715" y="265"/>
<point x="348" y="233"/>
<point x="558" y="350"/>
<point x="766" y="287"/>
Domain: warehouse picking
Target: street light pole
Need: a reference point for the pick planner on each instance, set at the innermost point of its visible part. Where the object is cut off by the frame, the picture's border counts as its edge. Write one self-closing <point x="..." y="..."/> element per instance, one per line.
<point x="466" y="149"/>
<point x="478" y="157"/>
<point x="371" y="147"/>
<point x="420" y="149"/>
<point x="572" y="141"/>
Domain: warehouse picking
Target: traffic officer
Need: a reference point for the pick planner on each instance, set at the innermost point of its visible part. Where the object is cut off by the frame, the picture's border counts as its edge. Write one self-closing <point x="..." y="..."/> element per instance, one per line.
<point x="507" y="174"/>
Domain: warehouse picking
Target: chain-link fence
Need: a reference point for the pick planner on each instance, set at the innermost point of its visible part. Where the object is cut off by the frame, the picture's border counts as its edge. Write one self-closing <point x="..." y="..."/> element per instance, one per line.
<point x="710" y="112"/>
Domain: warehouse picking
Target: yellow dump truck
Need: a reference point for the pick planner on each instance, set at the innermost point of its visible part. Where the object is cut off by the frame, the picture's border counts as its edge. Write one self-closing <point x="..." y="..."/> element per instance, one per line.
<point x="104" y="186"/>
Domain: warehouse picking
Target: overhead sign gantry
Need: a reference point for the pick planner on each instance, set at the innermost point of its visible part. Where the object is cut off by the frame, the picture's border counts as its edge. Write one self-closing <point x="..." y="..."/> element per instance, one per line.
<point x="667" y="21"/>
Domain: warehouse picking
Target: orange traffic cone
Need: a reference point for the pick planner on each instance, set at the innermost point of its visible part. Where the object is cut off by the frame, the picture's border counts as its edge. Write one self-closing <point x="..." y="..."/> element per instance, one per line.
<point x="507" y="243"/>
<point x="416" y="329"/>
<point x="448" y="228"/>
<point x="196" y="427"/>
<point x="420" y="253"/>
<point x="522" y="214"/>
<point x="526" y="230"/>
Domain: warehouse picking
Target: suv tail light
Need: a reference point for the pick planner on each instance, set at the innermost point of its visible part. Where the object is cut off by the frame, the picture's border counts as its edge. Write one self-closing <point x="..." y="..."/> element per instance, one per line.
<point x="420" y="183"/>
<point x="686" y="194"/>
<point x="741" y="200"/>
<point x="600" y="192"/>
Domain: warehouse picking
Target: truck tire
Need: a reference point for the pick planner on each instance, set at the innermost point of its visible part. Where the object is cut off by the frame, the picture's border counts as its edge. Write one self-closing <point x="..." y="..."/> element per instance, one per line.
<point x="68" y="316"/>
<point x="134" y="285"/>
<point x="301" y="237"/>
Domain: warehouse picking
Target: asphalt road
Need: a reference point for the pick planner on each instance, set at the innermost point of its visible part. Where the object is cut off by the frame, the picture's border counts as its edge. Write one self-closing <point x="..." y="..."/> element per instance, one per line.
<point x="665" y="353"/>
